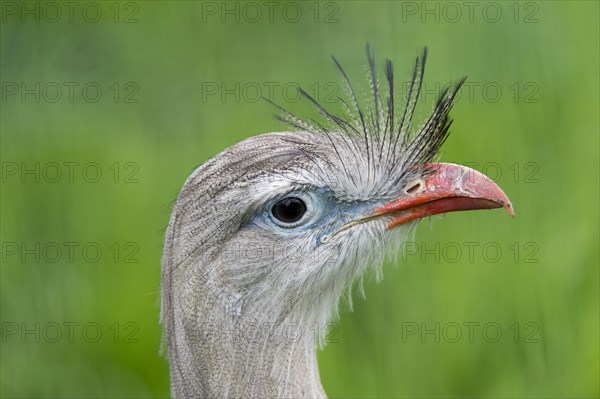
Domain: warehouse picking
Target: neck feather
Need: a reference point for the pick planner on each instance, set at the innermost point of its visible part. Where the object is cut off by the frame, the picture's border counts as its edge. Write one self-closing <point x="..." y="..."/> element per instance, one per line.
<point x="219" y="347"/>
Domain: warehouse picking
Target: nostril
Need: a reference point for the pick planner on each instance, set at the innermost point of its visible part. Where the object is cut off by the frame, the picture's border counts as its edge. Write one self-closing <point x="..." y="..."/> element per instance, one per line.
<point x="413" y="187"/>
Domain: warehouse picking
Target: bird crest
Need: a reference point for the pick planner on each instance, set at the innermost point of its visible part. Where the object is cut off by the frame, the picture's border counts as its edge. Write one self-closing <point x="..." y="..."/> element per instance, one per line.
<point x="378" y="128"/>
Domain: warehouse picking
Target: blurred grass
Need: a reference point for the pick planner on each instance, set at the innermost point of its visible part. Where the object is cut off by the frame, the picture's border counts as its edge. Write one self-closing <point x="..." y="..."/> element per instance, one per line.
<point x="168" y="54"/>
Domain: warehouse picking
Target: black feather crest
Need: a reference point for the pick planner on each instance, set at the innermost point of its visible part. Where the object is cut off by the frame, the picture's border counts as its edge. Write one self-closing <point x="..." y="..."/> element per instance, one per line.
<point x="383" y="136"/>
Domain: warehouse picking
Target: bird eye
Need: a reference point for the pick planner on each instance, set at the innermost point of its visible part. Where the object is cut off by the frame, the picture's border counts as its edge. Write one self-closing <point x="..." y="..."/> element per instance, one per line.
<point x="288" y="211"/>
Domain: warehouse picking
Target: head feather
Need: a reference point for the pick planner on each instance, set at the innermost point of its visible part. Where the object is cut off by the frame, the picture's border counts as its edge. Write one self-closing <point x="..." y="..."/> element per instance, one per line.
<point x="374" y="128"/>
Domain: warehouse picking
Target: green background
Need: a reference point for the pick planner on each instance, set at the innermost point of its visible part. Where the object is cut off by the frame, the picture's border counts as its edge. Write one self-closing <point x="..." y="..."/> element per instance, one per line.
<point x="530" y="120"/>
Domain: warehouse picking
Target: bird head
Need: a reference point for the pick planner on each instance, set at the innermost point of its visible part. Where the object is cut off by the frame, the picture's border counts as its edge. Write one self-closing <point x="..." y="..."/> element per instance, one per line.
<point x="280" y="226"/>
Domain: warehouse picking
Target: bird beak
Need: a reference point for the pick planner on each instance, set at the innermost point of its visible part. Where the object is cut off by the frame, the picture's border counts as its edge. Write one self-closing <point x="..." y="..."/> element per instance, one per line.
<point x="449" y="188"/>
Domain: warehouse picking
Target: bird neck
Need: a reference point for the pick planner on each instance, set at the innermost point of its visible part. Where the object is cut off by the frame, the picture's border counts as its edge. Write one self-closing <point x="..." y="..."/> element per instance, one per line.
<point x="224" y="351"/>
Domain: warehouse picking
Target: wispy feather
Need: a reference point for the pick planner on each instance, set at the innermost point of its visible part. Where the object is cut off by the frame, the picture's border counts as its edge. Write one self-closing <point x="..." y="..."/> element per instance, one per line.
<point x="380" y="130"/>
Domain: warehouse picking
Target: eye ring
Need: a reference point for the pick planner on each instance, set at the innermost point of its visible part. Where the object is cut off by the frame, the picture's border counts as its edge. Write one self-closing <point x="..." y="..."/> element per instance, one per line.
<point x="309" y="205"/>
<point x="288" y="211"/>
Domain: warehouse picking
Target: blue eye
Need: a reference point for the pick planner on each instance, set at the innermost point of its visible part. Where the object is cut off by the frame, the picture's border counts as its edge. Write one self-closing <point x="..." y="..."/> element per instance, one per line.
<point x="288" y="210"/>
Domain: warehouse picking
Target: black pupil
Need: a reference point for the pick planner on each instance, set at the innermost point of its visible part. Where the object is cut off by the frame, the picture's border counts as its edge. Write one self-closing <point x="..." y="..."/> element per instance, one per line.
<point x="289" y="210"/>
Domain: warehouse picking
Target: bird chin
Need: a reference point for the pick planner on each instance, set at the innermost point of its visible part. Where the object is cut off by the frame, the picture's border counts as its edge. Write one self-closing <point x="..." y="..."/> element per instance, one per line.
<point x="363" y="251"/>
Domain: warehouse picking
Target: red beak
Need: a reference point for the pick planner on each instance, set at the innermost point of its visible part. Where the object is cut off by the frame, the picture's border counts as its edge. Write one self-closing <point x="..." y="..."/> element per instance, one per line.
<point x="449" y="188"/>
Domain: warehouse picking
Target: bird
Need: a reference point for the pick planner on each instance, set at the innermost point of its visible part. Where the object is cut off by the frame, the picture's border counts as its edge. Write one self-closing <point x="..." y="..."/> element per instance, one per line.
<point x="269" y="237"/>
